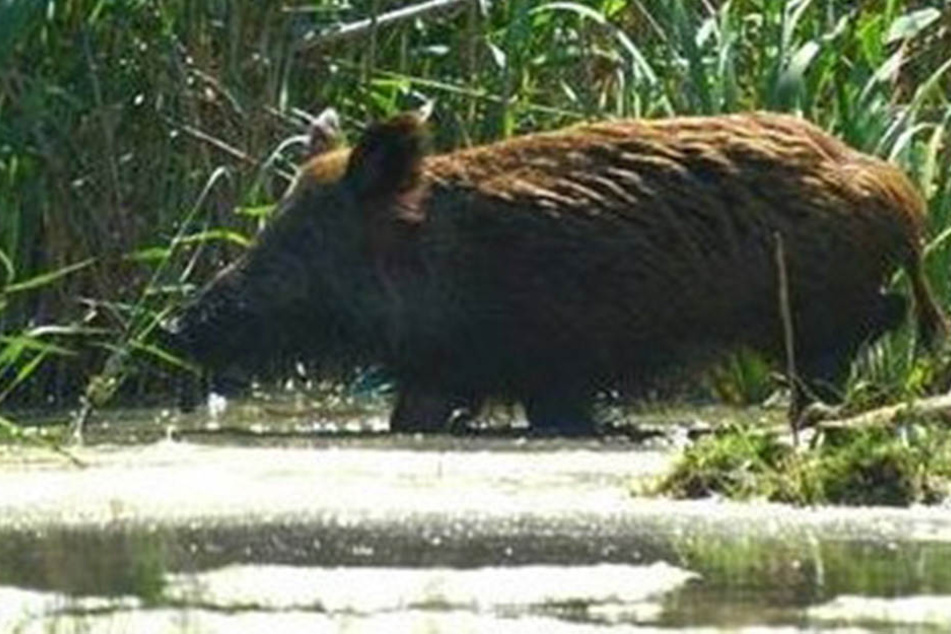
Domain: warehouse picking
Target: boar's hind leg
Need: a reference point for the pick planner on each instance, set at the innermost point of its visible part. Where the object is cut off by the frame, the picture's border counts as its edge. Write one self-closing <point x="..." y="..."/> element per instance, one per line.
<point x="567" y="412"/>
<point x="892" y="311"/>
<point x="419" y="410"/>
<point x="826" y="369"/>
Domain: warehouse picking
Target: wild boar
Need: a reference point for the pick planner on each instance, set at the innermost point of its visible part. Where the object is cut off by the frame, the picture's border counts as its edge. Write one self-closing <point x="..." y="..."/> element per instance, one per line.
<point x="554" y="267"/>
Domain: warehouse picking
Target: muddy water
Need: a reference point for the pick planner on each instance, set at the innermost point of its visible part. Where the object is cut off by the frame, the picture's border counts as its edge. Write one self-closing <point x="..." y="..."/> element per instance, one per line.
<point x="197" y="531"/>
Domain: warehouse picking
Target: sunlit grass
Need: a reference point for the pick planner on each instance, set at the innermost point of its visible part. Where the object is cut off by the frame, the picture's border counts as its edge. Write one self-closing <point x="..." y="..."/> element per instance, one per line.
<point x="894" y="466"/>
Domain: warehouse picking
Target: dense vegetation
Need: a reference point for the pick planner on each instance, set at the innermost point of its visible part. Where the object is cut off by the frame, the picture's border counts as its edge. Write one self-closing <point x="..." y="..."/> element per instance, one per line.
<point x="881" y="465"/>
<point x="141" y="143"/>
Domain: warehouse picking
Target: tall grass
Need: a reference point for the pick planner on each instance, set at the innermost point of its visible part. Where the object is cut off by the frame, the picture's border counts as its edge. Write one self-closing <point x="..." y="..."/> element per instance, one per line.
<point x="141" y="143"/>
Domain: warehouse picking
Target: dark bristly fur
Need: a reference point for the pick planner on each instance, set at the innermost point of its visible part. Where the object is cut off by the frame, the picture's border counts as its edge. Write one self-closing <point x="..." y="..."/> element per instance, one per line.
<point x="548" y="268"/>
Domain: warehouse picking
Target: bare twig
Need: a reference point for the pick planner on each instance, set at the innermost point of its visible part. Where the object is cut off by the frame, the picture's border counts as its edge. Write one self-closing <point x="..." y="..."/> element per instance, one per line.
<point x="939" y="406"/>
<point x="79" y="422"/>
<point x="789" y="342"/>
<point x="216" y="142"/>
<point x="15" y="431"/>
<point x="357" y="29"/>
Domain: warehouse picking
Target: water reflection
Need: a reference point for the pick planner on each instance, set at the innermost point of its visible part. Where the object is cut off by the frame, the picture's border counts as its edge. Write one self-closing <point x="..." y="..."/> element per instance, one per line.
<point x="379" y="533"/>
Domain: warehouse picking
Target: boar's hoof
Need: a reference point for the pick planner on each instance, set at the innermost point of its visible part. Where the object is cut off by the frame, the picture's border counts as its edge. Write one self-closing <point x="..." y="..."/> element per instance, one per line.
<point x="425" y="411"/>
<point x="555" y="413"/>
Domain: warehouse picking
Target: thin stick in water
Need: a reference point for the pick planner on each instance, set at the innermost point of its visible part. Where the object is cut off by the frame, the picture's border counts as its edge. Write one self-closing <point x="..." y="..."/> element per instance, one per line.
<point x="789" y="342"/>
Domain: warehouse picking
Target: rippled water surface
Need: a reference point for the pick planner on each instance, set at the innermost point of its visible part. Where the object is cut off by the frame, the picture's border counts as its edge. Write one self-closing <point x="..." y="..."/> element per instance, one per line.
<point x="200" y="531"/>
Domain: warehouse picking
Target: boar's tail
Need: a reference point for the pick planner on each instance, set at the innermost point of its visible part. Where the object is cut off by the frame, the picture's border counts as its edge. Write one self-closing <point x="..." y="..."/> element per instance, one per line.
<point x="932" y="326"/>
<point x="891" y="184"/>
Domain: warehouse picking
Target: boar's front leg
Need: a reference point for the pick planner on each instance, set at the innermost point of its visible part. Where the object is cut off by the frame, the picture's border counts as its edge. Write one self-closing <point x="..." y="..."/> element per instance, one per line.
<point x="565" y="412"/>
<point x="425" y="410"/>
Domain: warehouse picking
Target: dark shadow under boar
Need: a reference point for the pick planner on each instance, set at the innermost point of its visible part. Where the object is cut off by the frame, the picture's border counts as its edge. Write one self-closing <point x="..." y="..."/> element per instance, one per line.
<point x="550" y="268"/>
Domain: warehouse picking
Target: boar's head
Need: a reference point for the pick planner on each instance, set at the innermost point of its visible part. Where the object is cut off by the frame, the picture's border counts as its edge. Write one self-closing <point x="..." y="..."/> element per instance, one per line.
<point x="307" y="290"/>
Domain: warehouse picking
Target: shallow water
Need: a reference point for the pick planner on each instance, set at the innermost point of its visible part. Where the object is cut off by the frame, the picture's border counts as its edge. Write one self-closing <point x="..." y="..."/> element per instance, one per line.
<point x="201" y="531"/>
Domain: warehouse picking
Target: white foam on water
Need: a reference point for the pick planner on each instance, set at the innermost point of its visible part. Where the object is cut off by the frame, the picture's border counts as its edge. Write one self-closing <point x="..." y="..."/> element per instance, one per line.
<point x="167" y="621"/>
<point x="200" y="621"/>
<point x="924" y="610"/>
<point x="363" y="601"/>
<point x="20" y="608"/>
<point x="370" y="590"/>
<point x="298" y="599"/>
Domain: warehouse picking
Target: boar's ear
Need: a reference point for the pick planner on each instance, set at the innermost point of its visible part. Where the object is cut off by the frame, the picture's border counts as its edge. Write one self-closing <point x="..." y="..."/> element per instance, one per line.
<point x="426" y="110"/>
<point x="388" y="159"/>
<point x="324" y="133"/>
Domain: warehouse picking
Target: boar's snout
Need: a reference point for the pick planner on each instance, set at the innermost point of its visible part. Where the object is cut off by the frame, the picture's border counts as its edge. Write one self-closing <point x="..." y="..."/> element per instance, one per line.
<point x="189" y="387"/>
<point x="187" y="336"/>
<point x="179" y="336"/>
